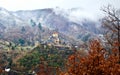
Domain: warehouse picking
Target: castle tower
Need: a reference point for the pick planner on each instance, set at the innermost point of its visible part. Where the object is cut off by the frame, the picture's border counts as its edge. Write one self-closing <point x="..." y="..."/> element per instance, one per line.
<point x="56" y="39"/>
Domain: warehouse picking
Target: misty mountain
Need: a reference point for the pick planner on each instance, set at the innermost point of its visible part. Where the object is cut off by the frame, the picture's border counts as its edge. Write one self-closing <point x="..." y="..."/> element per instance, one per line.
<point x="8" y="19"/>
<point x="77" y="27"/>
<point x="61" y="19"/>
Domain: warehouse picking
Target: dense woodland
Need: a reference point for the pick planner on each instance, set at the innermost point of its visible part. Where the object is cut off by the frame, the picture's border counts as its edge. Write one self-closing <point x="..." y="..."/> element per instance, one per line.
<point x="95" y="57"/>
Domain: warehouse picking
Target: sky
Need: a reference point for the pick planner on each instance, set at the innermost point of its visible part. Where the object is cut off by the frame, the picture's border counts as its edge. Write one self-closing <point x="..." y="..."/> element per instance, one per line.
<point x="90" y="8"/>
<point x="14" y="5"/>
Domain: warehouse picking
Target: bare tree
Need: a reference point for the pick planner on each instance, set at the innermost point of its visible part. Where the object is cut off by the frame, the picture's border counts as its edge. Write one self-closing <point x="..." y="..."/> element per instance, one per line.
<point x="112" y="24"/>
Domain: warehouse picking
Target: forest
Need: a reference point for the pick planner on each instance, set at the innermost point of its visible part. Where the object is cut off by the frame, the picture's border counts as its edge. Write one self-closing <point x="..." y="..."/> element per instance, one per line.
<point x="95" y="56"/>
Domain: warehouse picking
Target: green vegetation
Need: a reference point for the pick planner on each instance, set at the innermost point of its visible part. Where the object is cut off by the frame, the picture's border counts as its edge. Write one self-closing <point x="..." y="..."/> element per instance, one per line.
<point x="39" y="26"/>
<point x="23" y="29"/>
<point x="49" y="56"/>
<point x="21" y="41"/>
<point x="32" y="23"/>
<point x="30" y="60"/>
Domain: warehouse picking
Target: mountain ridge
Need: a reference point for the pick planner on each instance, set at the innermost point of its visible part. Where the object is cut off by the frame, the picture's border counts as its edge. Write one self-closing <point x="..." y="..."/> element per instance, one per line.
<point x="49" y="18"/>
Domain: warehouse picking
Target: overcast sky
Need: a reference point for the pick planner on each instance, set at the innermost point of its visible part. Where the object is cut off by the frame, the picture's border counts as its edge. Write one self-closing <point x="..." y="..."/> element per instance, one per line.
<point x="89" y="8"/>
<point x="39" y="4"/>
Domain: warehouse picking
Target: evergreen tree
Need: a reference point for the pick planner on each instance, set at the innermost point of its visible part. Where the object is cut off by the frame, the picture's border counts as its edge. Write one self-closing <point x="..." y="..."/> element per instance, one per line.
<point x="32" y="23"/>
<point x="23" y="29"/>
<point x="39" y="25"/>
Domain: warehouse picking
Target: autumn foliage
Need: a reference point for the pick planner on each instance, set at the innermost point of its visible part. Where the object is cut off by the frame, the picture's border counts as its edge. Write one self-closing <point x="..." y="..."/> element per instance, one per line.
<point x="97" y="62"/>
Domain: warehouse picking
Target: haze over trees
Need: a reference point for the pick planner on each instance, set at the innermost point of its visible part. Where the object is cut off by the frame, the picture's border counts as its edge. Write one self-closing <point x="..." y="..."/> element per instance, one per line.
<point x="35" y="49"/>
